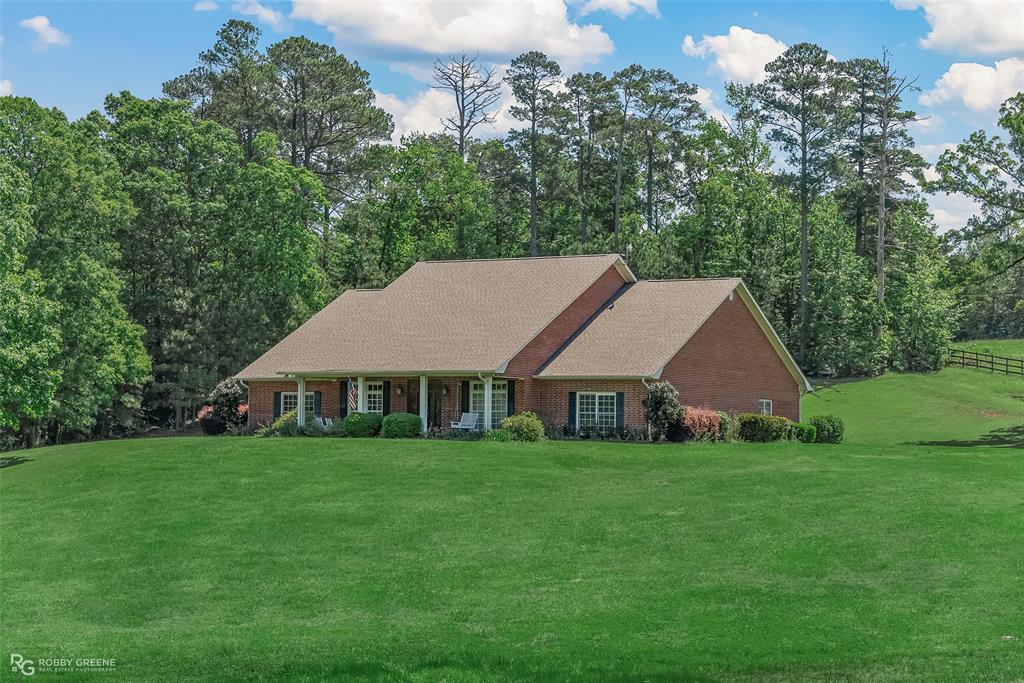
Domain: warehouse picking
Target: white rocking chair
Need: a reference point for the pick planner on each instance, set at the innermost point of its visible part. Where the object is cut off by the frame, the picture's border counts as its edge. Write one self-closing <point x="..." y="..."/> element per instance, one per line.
<point x="468" y="422"/>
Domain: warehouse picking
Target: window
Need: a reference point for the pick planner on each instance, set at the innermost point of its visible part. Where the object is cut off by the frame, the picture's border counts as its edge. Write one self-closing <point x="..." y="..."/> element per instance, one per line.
<point x="499" y="402"/>
<point x="595" y="410"/>
<point x="764" y="406"/>
<point x="375" y="397"/>
<point x="290" y="401"/>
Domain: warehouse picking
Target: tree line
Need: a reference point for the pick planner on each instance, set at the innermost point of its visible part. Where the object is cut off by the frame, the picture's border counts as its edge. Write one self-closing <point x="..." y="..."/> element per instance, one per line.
<point x="156" y="247"/>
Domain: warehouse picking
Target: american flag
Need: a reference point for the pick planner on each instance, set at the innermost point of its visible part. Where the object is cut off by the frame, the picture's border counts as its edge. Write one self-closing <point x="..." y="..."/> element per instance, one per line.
<point x="353" y="396"/>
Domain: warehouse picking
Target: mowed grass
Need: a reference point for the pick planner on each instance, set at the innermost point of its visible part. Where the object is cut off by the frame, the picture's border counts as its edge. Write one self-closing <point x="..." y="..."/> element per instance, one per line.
<point x="956" y="406"/>
<point x="342" y="559"/>
<point x="1010" y="348"/>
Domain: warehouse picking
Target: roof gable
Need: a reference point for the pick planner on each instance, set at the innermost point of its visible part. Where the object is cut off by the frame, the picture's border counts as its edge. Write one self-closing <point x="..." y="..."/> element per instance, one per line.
<point x="440" y="316"/>
<point x="638" y="332"/>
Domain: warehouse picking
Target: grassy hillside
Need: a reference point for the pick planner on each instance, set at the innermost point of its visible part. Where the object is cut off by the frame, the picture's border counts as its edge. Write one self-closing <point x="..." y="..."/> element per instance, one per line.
<point x="1013" y="348"/>
<point x="231" y="558"/>
<point x="960" y="406"/>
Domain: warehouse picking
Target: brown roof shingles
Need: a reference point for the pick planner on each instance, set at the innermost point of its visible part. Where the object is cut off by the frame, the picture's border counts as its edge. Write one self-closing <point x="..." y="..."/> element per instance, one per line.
<point x="641" y="330"/>
<point x="439" y="316"/>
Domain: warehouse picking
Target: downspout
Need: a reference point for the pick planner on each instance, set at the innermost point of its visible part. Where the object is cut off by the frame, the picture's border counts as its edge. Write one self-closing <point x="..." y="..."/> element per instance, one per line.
<point x="643" y="380"/>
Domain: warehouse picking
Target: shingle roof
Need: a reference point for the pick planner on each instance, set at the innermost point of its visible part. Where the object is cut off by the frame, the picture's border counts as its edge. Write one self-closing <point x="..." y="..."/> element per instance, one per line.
<point x="439" y="316"/>
<point x="641" y="330"/>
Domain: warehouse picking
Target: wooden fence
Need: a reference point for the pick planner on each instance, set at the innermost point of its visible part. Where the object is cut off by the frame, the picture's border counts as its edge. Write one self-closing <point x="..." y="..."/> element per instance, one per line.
<point x="986" y="361"/>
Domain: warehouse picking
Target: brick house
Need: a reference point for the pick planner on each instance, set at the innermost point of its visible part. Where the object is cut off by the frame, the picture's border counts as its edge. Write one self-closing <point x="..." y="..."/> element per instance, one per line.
<point x="575" y="339"/>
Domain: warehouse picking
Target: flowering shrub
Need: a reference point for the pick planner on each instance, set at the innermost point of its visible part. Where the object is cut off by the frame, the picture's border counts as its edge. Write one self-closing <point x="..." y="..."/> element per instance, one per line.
<point x="701" y="424"/>
<point x="224" y="409"/>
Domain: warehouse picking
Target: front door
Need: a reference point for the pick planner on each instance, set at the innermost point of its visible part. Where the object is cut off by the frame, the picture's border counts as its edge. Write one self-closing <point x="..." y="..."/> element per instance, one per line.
<point x="435" y="396"/>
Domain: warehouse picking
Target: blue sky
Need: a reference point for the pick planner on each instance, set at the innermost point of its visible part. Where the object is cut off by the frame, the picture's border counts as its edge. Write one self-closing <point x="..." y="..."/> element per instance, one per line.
<point x="968" y="56"/>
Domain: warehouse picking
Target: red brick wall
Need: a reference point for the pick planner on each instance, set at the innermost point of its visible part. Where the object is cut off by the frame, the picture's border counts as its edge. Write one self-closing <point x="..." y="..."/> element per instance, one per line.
<point x="729" y="364"/>
<point x="552" y="398"/>
<point x="541" y="348"/>
<point x="261" y="398"/>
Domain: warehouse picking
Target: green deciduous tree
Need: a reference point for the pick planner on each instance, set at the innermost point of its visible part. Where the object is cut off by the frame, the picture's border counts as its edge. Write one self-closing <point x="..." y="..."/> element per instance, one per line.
<point x="76" y="208"/>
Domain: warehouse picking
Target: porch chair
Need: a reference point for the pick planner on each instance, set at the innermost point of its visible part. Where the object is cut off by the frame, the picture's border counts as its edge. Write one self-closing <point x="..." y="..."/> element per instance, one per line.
<point x="467" y="422"/>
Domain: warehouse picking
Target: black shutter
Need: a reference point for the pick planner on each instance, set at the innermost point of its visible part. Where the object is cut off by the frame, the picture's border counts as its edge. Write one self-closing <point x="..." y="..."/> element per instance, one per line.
<point x="464" y="398"/>
<point x="511" y="397"/>
<point x="316" y="404"/>
<point x="277" y="404"/>
<point x="620" y="409"/>
<point x="343" y="387"/>
<point x="387" y="398"/>
<point x="572" y="411"/>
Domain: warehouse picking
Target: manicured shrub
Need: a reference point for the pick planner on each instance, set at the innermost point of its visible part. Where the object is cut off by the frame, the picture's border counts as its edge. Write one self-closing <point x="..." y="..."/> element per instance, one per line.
<point x="728" y="426"/>
<point x="524" y="426"/>
<point x="661" y="405"/>
<point x="701" y="424"/>
<point x="762" y="428"/>
<point x="803" y="433"/>
<point x="362" y="424"/>
<point x="497" y="435"/>
<point x="401" y="426"/>
<point x="830" y="428"/>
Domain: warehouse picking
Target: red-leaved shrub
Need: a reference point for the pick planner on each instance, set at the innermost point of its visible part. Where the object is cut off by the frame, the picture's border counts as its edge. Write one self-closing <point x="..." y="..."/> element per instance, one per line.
<point x="204" y="412"/>
<point x="702" y="424"/>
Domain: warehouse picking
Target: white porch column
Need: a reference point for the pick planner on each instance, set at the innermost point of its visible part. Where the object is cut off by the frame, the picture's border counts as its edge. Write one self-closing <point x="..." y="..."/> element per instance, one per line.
<point x="423" y="402"/>
<point x="302" y="401"/>
<point x="361" y="397"/>
<point x="488" y="394"/>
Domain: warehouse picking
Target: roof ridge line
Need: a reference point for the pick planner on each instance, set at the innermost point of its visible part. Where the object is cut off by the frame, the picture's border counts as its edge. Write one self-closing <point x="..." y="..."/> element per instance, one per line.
<point x="517" y="258"/>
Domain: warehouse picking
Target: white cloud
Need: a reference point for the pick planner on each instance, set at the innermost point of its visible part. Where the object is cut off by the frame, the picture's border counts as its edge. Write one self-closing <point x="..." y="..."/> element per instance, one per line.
<point x="47" y="35"/>
<point x="739" y="55"/>
<point x="441" y="27"/>
<point x="952" y="211"/>
<point x="205" y="6"/>
<point x="973" y="26"/>
<point x="6" y="88"/>
<point x="419" y="113"/>
<point x="270" y="17"/>
<point x="706" y="98"/>
<point x="621" y="8"/>
<point x="977" y="86"/>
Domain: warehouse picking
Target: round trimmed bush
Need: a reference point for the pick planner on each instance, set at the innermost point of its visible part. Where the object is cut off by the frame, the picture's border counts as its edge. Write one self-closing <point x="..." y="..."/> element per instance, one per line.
<point x="762" y="428"/>
<point x="401" y="426"/>
<point x="804" y="433"/>
<point x="830" y="428"/>
<point x="524" y="426"/>
<point x="362" y="424"/>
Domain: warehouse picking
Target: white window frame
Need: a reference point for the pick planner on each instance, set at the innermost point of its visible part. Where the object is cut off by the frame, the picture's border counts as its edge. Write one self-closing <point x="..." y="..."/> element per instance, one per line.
<point x="765" y="406"/>
<point x="375" y="397"/>
<point x="597" y="413"/>
<point x="310" y="401"/>
<point x="499" y="402"/>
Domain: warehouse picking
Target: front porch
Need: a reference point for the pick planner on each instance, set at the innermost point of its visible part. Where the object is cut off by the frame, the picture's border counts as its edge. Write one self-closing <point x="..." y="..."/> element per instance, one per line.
<point x="438" y="400"/>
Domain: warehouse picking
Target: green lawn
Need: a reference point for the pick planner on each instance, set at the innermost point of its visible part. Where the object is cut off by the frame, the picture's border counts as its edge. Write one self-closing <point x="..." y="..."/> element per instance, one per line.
<point x="311" y="559"/>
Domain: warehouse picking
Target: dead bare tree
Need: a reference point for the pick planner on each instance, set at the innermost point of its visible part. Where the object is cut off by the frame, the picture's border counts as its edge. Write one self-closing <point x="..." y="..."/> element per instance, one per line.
<point x="476" y="91"/>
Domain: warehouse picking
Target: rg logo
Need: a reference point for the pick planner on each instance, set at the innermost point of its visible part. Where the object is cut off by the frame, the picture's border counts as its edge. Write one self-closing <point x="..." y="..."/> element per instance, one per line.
<point x="25" y="666"/>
